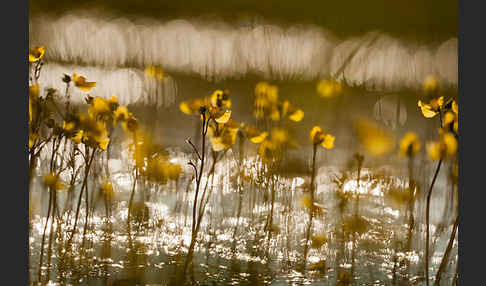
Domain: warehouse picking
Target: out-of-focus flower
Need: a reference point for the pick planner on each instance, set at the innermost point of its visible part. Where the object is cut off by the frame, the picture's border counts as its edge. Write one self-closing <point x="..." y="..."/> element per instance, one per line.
<point x="329" y="88"/>
<point x="287" y="109"/>
<point x="409" y="145"/>
<point x="450" y="120"/>
<point x="266" y="99"/>
<point x="91" y="132"/>
<point x="126" y="118"/>
<point x="99" y="106"/>
<point x="297" y="115"/>
<point x="36" y="54"/>
<point x="193" y="106"/>
<point x="220" y="99"/>
<point x="214" y="107"/>
<point x="223" y="135"/>
<point x="224" y="117"/>
<point x="432" y="108"/>
<point x="375" y="139"/>
<point x="317" y="136"/>
<point x="52" y="181"/>
<point x="151" y="160"/>
<point x="307" y="204"/>
<point x="255" y="135"/>
<point x="267" y="105"/>
<point x="81" y="83"/>
<point x="107" y="188"/>
<point x="444" y="148"/>
<point x="155" y="72"/>
<point x="431" y="83"/>
<point x="121" y="113"/>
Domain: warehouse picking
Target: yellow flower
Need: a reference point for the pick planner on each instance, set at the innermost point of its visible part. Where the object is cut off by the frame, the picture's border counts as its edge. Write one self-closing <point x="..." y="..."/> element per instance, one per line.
<point x="174" y="171"/>
<point x="275" y="114"/>
<point x="455" y="107"/>
<point x="450" y="120"/>
<point x="68" y="127"/>
<point x="259" y="138"/>
<point x="449" y="117"/>
<point x="130" y="124"/>
<point x="409" y="145"/>
<point x="431" y="83"/>
<point x="223" y="136"/>
<point x="184" y="107"/>
<point x="432" y="108"/>
<point x="155" y="72"/>
<point x="444" y="148"/>
<point x="328" y="88"/>
<point x="36" y="54"/>
<point x="328" y="142"/>
<point x="103" y="142"/>
<point x="375" y="139"/>
<point x="317" y="136"/>
<point x="279" y="136"/>
<point x="52" y="180"/>
<point x="267" y="151"/>
<point x="193" y="106"/>
<point x="107" y="188"/>
<point x="81" y="83"/>
<point x="92" y="132"/>
<point x="297" y="115"/>
<point x="264" y="89"/>
<point x="255" y="135"/>
<point x="121" y="113"/>
<point x="99" y="106"/>
<point x="78" y="137"/>
<point x="266" y="100"/>
<point x="113" y="103"/>
<point x="220" y="99"/>
<point x="223" y="118"/>
<point x="307" y="204"/>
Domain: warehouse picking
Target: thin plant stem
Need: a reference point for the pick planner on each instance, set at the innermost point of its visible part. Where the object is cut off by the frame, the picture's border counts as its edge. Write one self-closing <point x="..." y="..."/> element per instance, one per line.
<point x="447" y="252"/>
<point x="427" y="218"/>
<point x="311" y="210"/>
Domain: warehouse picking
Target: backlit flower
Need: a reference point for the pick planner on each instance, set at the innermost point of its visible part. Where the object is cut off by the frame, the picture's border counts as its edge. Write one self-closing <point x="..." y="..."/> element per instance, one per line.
<point x="444" y="148"/>
<point x="431" y="83"/>
<point x="409" y="145"/>
<point x="375" y="139"/>
<point x="52" y="181"/>
<point x="81" y="83"/>
<point x="329" y="88"/>
<point x="36" y="54"/>
<point x="317" y="136"/>
<point x="432" y="108"/>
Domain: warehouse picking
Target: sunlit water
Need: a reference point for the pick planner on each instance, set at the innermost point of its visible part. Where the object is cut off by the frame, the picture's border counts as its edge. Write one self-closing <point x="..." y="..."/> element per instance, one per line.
<point x="156" y="247"/>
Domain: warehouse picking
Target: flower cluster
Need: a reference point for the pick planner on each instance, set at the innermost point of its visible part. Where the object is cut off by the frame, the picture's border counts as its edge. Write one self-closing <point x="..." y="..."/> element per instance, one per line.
<point x="267" y="104"/>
